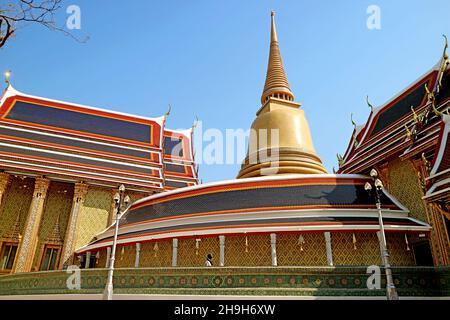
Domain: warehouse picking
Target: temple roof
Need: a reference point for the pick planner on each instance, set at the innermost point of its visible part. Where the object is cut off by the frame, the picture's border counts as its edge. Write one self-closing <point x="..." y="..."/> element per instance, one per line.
<point x="290" y="203"/>
<point x="439" y="179"/>
<point x="72" y="142"/>
<point x="405" y="126"/>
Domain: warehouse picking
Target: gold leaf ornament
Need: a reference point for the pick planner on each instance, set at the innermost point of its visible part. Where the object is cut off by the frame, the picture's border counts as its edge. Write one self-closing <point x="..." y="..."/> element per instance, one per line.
<point x="155" y="249"/>
<point x="301" y="241"/>
<point x="407" y="243"/>
<point x="197" y="246"/>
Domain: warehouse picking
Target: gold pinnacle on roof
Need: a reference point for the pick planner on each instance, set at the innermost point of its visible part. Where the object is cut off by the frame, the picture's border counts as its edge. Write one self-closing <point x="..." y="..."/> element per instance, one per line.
<point x="276" y="84"/>
<point x="280" y="140"/>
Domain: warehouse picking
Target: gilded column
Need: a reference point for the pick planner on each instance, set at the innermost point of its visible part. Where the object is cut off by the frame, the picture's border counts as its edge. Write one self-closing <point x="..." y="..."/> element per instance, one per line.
<point x="273" y="245"/>
<point x="79" y="196"/>
<point x="5" y="180"/>
<point x="138" y="255"/>
<point x="222" y="251"/>
<point x="108" y="256"/>
<point x="174" y="252"/>
<point x="27" y="247"/>
<point x="88" y="260"/>
<point x="328" y="248"/>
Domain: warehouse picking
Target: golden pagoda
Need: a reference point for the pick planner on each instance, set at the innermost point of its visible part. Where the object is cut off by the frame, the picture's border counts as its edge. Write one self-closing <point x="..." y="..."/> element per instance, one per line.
<point x="280" y="139"/>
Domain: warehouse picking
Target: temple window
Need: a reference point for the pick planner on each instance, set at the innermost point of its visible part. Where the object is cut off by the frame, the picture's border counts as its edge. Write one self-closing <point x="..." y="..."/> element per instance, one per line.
<point x="50" y="257"/>
<point x="8" y="255"/>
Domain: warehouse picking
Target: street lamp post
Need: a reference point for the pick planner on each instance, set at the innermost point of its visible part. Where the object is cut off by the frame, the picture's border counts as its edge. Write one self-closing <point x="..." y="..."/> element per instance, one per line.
<point x="119" y="199"/>
<point x="391" y="291"/>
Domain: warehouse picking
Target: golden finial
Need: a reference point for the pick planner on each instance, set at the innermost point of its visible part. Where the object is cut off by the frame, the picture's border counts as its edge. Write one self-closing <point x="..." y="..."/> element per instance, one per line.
<point x="195" y="124"/>
<point x="444" y="54"/>
<point x="340" y="159"/>
<point x="7" y="75"/>
<point x="444" y="63"/>
<point x="426" y="163"/>
<point x="436" y="111"/>
<point x="415" y="116"/>
<point x="355" y="142"/>
<point x="369" y="104"/>
<point x="276" y="84"/>
<point x="168" y="111"/>
<point x="353" y="121"/>
<point x="431" y="99"/>
<point x="430" y="95"/>
<point x="408" y="132"/>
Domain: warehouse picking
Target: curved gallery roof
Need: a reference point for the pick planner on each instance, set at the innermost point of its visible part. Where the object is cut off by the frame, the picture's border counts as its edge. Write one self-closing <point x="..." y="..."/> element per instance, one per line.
<point x="285" y="203"/>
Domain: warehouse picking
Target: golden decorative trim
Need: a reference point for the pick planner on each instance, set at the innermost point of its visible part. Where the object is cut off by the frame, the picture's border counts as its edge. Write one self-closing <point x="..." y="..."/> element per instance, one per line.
<point x="27" y="247"/>
<point x="80" y="191"/>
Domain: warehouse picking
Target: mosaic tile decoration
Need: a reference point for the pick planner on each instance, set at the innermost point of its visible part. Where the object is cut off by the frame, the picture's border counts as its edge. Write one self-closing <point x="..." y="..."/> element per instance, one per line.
<point x="16" y="202"/>
<point x="58" y="205"/>
<point x="94" y="215"/>
<point x="257" y="252"/>
<point x="307" y="250"/>
<point x="325" y="281"/>
<point x="190" y="256"/>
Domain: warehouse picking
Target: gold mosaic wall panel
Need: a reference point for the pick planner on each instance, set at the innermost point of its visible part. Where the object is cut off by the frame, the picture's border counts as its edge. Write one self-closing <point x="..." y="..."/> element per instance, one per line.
<point x="16" y="202"/>
<point x="189" y="256"/>
<point x="398" y="253"/>
<point x="259" y="251"/>
<point x="405" y="186"/>
<point x="94" y="215"/>
<point x="290" y="253"/>
<point x="161" y="257"/>
<point x="101" y="261"/>
<point x="125" y="257"/>
<point x="367" y="250"/>
<point x="58" y="204"/>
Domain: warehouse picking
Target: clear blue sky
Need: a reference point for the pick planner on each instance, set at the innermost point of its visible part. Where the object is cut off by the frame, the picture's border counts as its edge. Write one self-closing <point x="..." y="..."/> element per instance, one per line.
<point x="209" y="58"/>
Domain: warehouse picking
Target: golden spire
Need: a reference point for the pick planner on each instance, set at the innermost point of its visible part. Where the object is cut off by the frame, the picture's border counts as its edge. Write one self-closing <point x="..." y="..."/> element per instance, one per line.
<point x="280" y="140"/>
<point x="276" y="84"/>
